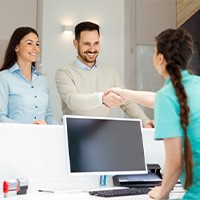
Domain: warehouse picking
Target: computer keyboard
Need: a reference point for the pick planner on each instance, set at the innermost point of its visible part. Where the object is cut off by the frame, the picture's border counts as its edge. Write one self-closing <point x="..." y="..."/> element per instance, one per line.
<point x="120" y="192"/>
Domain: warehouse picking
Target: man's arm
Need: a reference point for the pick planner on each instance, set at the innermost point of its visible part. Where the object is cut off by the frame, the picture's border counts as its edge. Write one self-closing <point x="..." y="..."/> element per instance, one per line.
<point x="133" y="110"/>
<point x="144" y="98"/>
<point x="70" y="95"/>
<point x="4" y="98"/>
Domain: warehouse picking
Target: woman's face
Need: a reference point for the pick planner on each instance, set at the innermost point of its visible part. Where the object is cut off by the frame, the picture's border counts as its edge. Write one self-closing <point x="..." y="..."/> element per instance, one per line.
<point x="28" y="48"/>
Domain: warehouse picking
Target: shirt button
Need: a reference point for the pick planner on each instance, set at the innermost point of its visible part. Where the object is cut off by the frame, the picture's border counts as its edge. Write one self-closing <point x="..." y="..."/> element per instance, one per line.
<point x="35" y="117"/>
<point x="32" y="86"/>
<point x="35" y="96"/>
<point x="35" y="106"/>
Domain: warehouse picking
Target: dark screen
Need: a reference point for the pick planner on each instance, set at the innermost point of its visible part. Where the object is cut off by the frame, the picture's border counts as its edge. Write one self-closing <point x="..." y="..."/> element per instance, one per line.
<point x="97" y="145"/>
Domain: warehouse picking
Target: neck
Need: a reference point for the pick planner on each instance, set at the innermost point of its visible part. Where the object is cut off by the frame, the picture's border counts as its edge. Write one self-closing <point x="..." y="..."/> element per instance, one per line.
<point x="88" y="64"/>
<point x="166" y="76"/>
<point x="26" y="69"/>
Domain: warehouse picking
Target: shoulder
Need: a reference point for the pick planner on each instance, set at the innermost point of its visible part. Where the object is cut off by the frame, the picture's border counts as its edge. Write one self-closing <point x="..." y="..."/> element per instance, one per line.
<point x="166" y="95"/>
<point x="67" y="68"/>
<point x="105" y="66"/>
<point x="5" y="74"/>
<point x="192" y="79"/>
<point x="68" y="71"/>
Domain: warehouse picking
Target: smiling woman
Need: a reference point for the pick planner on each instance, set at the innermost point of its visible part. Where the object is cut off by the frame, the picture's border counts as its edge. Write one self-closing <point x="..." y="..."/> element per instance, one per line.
<point x="24" y="93"/>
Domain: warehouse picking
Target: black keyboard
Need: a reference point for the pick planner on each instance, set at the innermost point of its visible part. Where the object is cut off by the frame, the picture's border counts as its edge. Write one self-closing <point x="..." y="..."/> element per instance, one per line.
<point x="120" y="192"/>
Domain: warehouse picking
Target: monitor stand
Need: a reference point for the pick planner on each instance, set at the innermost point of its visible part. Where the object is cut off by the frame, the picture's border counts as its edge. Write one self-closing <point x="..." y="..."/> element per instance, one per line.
<point x="103" y="185"/>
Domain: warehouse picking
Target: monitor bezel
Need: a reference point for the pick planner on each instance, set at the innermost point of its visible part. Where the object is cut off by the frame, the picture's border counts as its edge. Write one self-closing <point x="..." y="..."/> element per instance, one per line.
<point x="112" y="173"/>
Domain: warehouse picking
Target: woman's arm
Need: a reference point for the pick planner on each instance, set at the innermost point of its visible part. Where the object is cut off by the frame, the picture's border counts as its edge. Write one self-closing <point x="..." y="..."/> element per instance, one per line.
<point x="141" y="97"/>
<point x="4" y="99"/>
<point x="172" y="169"/>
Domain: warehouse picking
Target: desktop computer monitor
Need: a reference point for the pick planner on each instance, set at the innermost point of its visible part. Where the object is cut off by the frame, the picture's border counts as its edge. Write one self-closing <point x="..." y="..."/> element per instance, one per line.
<point x="104" y="146"/>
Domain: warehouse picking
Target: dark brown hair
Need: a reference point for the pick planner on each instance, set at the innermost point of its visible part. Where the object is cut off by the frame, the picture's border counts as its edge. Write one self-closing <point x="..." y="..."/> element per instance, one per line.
<point x="176" y="45"/>
<point x="10" y="57"/>
<point x="85" y="26"/>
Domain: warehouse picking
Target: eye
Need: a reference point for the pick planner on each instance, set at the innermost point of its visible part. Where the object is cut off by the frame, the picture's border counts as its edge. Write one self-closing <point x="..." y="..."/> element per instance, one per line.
<point x="86" y="43"/>
<point x="29" y="43"/>
<point x="38" y="44"/>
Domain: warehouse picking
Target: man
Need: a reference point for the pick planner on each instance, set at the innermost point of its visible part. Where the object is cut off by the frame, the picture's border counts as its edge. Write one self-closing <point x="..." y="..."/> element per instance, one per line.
<point x="81" y="84"/>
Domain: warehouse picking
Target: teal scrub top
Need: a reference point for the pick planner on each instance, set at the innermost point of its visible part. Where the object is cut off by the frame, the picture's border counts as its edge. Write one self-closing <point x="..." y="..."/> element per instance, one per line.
<point x="167" y="123"/>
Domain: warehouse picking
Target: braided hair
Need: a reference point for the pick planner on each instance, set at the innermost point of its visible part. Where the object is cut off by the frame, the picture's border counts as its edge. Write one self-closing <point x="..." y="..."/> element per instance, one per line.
<point x="176" y="45"/>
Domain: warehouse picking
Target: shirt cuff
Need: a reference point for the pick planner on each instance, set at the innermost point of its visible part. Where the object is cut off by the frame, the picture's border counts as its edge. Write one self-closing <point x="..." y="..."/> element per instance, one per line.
<point x="100" y="98"/>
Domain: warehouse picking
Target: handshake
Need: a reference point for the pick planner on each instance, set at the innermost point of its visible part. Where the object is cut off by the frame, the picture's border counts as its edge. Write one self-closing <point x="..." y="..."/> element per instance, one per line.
<point x="113" y="97"/>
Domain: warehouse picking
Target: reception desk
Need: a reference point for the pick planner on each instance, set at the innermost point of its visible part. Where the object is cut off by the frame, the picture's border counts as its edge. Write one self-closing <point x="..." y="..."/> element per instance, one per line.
<point x="37" y="152"/>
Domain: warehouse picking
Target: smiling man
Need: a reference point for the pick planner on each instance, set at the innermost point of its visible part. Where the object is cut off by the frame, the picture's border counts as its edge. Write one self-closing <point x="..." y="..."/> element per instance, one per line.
<point x="81" y="84"/>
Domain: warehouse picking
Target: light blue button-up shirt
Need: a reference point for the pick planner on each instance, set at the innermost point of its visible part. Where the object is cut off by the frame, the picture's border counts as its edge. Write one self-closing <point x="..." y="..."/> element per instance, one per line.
<point x="24" y="101"/>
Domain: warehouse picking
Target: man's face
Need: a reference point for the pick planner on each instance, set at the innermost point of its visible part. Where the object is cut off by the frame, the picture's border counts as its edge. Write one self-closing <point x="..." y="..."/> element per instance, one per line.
<point x="88" y="47"/>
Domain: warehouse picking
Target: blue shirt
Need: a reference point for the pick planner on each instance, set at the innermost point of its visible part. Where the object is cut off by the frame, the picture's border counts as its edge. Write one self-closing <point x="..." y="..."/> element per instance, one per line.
<point x="167" y="123"/>
<point x="24" y="101"/>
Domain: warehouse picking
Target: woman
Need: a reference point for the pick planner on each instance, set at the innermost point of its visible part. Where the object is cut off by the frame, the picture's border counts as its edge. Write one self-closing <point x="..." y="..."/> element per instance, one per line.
<point x="24" y="95"/>
<point x="177" y="113"/>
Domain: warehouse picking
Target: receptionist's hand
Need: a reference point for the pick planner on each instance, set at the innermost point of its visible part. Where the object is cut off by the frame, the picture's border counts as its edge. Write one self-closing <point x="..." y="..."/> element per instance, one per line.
<point x="39" y="121"/>
<point x="155" y="193"/>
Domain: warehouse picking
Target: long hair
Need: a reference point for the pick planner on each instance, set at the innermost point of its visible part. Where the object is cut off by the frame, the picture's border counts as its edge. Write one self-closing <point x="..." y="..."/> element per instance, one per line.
<point x="176" y="45"/>
<point x="10" y="57"/>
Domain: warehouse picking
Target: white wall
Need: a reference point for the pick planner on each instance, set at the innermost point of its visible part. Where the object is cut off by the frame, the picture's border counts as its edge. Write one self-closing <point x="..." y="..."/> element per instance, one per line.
<point x="144" y="20"/>
<point x="14" y="14"/>
<point x="58" y="49"/>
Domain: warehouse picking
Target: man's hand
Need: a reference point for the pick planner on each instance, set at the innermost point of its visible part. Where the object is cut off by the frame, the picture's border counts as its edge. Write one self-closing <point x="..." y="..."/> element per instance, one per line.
<point x="112" y="100"/>
<point x="149" y="124"/>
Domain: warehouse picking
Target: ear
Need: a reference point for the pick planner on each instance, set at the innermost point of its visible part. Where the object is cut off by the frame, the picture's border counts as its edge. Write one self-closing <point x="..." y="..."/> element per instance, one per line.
<point x="16" y="49"/>
<point x="75" y="42"/>
<point x="161" y="59"/>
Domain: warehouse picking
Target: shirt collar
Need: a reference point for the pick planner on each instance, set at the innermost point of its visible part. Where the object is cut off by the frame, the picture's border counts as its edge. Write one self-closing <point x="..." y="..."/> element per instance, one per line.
<point x="184" y="74"/>
<point x="15" y="68"/>
<point x="83" y="66"/>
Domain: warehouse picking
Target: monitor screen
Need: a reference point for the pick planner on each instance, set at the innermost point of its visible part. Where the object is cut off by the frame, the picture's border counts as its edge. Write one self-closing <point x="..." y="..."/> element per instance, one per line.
<point x="104" y="146"/>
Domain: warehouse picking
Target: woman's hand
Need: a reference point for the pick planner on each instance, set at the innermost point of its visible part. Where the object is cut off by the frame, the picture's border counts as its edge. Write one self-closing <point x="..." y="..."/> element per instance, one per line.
<point x="155" y="193"/>
<point x="116" y="90"/>
<point x="39" y="121"/>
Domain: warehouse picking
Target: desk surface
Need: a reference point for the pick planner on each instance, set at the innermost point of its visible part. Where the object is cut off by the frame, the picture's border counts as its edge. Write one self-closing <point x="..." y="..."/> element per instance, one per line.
<point x="38" y="154"/>
<point x="77" y="195"/>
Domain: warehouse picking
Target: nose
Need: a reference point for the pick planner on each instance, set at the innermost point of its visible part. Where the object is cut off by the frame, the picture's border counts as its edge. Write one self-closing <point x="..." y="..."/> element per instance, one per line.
<point x="92" y="47"/>
<point x="36" y="47"/>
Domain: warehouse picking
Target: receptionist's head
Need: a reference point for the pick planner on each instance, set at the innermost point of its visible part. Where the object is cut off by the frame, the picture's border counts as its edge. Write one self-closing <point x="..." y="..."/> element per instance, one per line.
<point x="173" y="51"/>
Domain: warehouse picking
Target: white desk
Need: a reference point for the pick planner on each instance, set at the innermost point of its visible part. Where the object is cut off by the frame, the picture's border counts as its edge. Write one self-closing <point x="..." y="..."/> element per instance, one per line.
<point x="37" y="153"/>
<point x="77" y="195"/>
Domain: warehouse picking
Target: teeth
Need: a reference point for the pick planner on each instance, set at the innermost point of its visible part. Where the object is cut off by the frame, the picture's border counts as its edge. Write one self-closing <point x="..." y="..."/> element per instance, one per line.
<point x="33" y="54"/>
<point x="90" y="53"/>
